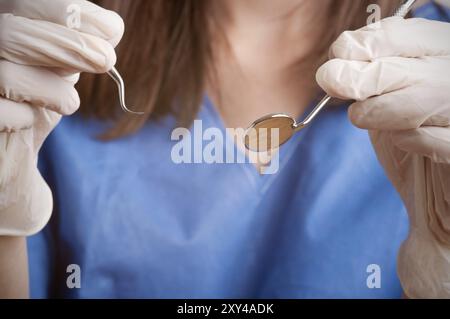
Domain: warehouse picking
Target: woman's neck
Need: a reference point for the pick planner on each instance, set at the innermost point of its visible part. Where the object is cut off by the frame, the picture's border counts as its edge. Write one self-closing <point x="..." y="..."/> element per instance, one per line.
<point x="262" y="57"/>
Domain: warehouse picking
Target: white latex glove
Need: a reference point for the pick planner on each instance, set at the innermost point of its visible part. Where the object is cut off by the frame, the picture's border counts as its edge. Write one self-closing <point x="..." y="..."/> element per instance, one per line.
<point x="40" y="61"/>
<point x="399" y="75"/>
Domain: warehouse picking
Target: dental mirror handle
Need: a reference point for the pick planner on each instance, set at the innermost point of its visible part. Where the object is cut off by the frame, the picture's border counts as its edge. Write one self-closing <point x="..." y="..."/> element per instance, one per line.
<point x="401" y="11"/>
<point x="313" y="113"/>
<point x="404" y="9"/>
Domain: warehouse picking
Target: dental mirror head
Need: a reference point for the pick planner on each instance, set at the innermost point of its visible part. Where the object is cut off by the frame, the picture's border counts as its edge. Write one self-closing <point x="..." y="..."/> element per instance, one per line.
<point x="269" y="133"/>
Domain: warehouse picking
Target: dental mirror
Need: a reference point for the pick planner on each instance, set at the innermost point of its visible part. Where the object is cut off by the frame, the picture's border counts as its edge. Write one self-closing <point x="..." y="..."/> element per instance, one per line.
<point x="271" y="131"/>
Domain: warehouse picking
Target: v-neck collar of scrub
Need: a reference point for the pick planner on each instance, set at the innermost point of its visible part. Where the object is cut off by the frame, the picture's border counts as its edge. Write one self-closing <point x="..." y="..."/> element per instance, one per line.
<point x="260" y="182"/>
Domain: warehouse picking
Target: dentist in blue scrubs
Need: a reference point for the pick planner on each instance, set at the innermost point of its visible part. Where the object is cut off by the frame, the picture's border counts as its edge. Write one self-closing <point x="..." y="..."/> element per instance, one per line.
<point x="343" y="213"/>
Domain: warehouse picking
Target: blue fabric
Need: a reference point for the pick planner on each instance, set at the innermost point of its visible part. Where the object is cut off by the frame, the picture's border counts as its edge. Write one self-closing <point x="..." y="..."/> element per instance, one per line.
<point x="140" y="225"/>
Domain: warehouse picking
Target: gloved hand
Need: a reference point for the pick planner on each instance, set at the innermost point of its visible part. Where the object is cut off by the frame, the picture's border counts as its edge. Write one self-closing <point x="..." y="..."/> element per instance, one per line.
<point x="399" y="75"/>
<point x="41" y="56"/>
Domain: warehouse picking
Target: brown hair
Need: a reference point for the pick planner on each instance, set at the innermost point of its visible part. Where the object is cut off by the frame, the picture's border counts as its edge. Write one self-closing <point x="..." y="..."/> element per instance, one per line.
<point x="165" y="57"/>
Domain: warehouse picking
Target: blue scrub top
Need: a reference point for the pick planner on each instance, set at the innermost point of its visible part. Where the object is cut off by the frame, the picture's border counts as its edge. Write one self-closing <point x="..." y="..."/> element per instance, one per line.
<point x="139" y="225"/>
